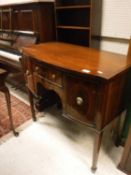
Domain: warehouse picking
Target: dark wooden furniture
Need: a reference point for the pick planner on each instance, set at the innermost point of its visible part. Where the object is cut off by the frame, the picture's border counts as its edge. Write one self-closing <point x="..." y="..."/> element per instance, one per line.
<point x="73" y="21"/>
<point x="23" y="25"/>
<point x="4" y="89"/>
<point x="11" y="43"/>
<point x="89" y="82"/>
<point x="125" y="163"/>
<point x="37" y="17"/>
<point x="122" y="133"/>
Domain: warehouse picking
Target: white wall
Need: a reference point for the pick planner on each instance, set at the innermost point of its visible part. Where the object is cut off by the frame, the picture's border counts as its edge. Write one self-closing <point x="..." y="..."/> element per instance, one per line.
<point x="114" y="28"/>
<point x="111" y="45"/>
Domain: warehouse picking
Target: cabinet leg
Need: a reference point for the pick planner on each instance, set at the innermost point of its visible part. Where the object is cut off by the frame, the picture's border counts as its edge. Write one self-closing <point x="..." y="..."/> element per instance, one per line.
<point x="97" y="144"/>
<point x="118" y="132"/>
<point x="32" y="104"/>
<point x="8" y="101"/>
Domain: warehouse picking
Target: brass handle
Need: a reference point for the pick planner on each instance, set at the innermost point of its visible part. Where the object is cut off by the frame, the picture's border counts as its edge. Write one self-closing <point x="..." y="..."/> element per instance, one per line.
<point x="27" y="72"/>
<point x="79" y="101"/>
<point x="53" y="76"/>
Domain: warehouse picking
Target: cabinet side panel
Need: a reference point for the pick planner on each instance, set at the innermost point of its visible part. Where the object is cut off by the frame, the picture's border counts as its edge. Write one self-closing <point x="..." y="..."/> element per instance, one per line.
<point x="46" y="21"/>
<point x="111" y="104"/>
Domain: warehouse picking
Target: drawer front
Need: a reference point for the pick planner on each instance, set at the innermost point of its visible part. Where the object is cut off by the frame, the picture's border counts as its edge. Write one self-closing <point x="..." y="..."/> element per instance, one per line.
<point x="81" y="100"/>
<point x="49" y="74"/>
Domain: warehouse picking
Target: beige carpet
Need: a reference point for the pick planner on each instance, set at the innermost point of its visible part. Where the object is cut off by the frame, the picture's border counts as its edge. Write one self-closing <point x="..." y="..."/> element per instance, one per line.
<point x="55" y="146"/>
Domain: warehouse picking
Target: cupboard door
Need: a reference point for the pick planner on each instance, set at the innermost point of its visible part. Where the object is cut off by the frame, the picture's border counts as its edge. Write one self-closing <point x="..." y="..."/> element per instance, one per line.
<point x="81" y="100"/>
<point x="6" y="19"/>
<point x="30" y="18"/>
<point x="24" y="20"/>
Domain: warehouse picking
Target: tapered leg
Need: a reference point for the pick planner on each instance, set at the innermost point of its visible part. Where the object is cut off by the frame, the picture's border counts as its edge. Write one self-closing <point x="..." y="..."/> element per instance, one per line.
<point x="117" y="132"/>
<point x="31" y="104"/>
<point x="97" y="144"/>
<point x="7" y="95"/>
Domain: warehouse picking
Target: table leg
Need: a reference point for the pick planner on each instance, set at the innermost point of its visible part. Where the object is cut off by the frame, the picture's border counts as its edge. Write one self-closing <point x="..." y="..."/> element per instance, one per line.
<point x="97" y="144"/>
<point x="8" y="101"/>
<point x="32" y="104"/>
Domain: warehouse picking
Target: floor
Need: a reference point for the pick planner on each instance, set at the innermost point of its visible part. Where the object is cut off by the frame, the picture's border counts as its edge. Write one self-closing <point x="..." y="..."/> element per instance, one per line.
<point x="55" y="146"/>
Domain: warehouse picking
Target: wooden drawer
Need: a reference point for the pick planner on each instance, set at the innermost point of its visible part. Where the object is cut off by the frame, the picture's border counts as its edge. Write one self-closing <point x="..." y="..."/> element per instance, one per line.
<point x="81" y="100"/>
<point x="49" y="74"/>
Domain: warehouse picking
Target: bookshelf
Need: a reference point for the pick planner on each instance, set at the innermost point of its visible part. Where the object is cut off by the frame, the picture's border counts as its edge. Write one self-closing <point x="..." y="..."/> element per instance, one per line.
<point x="73" y="21"/>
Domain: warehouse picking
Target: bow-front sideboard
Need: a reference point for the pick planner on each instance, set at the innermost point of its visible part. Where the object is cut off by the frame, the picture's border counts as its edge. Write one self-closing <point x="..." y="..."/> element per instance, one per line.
<point x="89" y="82"/>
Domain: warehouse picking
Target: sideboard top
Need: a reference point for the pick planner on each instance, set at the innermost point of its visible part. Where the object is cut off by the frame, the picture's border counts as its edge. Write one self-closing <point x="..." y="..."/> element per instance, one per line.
<point x="84" y="60"/>
<point x="11" y="2"/>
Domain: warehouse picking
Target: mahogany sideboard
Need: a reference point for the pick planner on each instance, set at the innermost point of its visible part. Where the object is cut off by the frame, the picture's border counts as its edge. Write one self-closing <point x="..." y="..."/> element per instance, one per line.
<point x="89" y="82"/>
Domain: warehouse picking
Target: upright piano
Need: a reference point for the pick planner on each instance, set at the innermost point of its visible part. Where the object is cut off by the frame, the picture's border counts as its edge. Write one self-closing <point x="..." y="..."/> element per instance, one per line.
<point x="11" y="43"/>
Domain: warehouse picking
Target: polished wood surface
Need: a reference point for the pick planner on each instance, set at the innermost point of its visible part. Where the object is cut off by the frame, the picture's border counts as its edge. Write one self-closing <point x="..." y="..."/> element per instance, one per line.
<point x="87" y="82"/>
<point x="84" y="60"/>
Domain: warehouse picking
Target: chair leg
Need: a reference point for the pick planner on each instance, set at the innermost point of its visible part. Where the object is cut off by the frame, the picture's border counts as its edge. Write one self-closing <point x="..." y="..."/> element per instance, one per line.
<point x="8" y="101"/>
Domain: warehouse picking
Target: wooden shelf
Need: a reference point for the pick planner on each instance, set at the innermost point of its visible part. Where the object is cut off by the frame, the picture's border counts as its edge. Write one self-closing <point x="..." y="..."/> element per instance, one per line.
<point x="72" y="7"/>
<point x="73" y="21"/>
<point x="73" y="27"/>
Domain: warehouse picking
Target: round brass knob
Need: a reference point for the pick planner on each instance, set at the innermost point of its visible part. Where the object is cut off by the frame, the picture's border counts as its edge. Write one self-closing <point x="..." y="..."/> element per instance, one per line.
<point x="27" y="72"/>
<point x="36" y="68"/>
<point x="53" y="76"/>
<point x="79" y="101"/>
